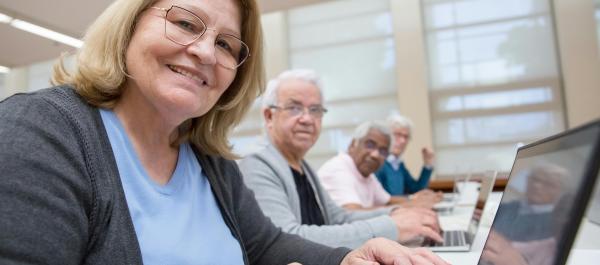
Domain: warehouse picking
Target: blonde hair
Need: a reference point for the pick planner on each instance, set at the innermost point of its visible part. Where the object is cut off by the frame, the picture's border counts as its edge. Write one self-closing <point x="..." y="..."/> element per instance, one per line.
<point x="100" y="73"/>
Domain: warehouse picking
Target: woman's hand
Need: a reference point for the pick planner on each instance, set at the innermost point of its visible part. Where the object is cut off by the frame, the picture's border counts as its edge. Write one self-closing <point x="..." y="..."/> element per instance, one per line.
<point x="386" y="252"/>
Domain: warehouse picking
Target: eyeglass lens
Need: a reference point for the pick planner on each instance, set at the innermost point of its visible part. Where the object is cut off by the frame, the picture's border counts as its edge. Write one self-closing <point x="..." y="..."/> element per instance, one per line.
<point x="314" y="111"/>
<point x="371" y="145"/>
<point x="184" y="27"/>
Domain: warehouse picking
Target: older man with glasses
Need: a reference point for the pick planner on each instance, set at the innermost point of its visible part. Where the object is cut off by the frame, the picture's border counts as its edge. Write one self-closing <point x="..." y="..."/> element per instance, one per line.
<point x="288" y="190"/>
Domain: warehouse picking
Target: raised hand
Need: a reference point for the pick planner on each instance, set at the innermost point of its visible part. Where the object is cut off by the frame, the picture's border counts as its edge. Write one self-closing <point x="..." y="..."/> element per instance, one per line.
<point x="428" y="156"/>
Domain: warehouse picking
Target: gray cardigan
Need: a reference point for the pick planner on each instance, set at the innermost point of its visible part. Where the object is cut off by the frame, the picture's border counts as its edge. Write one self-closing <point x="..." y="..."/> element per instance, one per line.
<point x="62" y="202"/>
<point x="269" y="175"/>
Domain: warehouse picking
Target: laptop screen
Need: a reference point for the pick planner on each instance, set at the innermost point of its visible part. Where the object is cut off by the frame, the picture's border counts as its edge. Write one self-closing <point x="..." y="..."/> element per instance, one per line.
<point x="535" y="222"/>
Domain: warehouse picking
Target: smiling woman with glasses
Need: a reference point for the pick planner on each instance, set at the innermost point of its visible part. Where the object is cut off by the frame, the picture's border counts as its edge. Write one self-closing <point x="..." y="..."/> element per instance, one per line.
<point x="126" y="160"/>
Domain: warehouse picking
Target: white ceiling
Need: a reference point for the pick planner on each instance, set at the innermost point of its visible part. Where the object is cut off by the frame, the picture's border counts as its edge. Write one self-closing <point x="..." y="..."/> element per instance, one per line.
<point x="71" y="17"/>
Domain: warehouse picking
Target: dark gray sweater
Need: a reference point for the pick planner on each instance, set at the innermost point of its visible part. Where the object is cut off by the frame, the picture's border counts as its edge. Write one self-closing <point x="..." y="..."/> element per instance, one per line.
<point x="62" y="202"/>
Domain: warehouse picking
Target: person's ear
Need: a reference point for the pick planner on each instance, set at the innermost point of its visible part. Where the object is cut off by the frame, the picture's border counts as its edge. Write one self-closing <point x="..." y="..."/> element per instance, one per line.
<point x="267" y="115"/>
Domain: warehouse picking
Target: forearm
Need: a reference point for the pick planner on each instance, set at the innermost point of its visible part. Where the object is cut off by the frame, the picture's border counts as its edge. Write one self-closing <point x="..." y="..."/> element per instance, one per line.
<point x="398" y="200"/>
<point x="343" y="229"/>
<point x="358" y="207"/>
<point x="413" y="185"/>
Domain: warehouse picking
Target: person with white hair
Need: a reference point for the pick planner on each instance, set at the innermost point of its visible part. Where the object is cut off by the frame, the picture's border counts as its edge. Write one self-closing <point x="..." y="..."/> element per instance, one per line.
<point x="349" y="177"/>
<point x="393" y="175"/>
<point x="287" y="188"/>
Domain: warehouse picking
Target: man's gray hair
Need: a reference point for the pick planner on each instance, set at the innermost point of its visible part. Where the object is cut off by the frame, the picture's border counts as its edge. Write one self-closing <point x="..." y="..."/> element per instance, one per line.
<point x="310" y="76"/>
<point x="398" y="121"/>
<point x="363" y="129"/>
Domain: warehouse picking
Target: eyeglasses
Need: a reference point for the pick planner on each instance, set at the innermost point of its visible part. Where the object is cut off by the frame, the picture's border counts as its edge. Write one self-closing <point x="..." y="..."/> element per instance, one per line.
<point x="406" y="136"/>
<point x="372" y="146"/>
<point x="315" y="111"/>
<point x="184" y="27"/>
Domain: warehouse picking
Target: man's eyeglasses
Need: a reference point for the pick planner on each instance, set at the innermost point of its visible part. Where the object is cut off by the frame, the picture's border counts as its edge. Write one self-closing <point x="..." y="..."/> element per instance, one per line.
<point x="315" y="111"/>
<point x="184" y="27"/>
<point x="372" y="146"/>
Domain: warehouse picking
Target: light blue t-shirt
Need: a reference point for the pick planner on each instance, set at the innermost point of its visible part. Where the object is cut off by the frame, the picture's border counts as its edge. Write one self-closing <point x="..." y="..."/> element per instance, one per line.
<point x="180" y="222"/>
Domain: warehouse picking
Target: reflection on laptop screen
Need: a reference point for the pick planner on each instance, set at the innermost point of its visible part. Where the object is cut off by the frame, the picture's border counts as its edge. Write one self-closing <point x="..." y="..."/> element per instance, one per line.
<point x="539" y="203"/>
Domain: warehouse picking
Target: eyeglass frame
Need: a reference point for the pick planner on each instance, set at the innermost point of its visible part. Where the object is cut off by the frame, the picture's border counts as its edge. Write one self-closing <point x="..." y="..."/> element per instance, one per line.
<point x="372" y="146"/>
<point x="201" y="34"/>
<point x="294" y="110"/>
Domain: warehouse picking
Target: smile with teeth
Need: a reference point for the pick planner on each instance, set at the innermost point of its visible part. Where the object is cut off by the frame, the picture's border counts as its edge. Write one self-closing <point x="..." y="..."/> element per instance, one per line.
<point x="187" y="74"/>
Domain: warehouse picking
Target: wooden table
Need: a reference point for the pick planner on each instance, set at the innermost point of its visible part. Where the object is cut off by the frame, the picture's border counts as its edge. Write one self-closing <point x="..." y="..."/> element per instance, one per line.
<point x="447" y="185"/>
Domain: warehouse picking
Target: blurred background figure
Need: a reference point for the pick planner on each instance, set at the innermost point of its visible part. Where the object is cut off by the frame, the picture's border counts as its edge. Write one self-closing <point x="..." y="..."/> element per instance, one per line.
<point x="394" y="176"/>
<point x="349" y="177"/>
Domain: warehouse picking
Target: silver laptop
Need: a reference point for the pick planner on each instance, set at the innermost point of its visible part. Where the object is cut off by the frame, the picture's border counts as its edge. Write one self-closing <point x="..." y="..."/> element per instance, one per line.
<point x="461" y="240"/>
<point x="549" y="187"/>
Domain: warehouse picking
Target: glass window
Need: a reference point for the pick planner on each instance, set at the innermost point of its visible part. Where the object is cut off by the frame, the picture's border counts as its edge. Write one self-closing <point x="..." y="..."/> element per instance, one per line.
<point x="495" y="99"/>
<point x="494" y="80"/>
<point x="351" y="46"/>
<point x="369" y="71"/>
<point x="493" y="53"/>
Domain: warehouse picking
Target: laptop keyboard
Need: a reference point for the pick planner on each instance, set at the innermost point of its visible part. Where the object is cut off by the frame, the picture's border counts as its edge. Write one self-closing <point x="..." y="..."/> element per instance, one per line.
<point x="451" y="239"/>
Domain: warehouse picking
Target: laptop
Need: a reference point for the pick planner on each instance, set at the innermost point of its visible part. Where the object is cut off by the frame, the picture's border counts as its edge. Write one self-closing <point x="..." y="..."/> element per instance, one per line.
<point x="549" y="186"/>
<point x="461" y="240"/>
